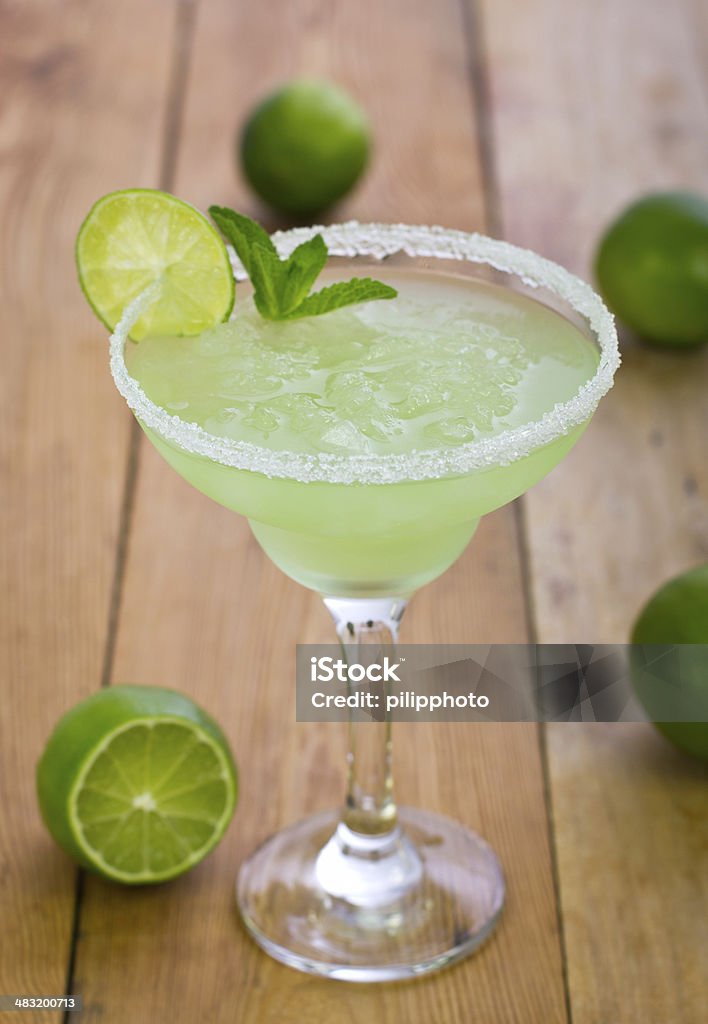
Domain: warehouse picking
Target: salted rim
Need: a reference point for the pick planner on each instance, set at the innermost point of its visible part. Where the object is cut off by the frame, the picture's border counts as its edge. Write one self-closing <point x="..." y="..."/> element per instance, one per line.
<point x="379" y="241"/>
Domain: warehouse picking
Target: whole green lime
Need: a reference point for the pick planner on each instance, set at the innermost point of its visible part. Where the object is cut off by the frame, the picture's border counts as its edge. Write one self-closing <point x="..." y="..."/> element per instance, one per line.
<point x="652" y="268"/>
<point x="677" y="614"/>
<point x="304" y="146"/>
<point x="137" y="783"/>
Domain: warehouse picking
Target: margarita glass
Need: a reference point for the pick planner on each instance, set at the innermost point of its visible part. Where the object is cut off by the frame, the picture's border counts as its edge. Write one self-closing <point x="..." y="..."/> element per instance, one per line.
<point x="364" y="447"/>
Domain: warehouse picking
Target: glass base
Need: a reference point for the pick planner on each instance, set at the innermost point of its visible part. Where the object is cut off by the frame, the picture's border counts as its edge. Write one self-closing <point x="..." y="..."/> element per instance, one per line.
<point x="445" y="895"/>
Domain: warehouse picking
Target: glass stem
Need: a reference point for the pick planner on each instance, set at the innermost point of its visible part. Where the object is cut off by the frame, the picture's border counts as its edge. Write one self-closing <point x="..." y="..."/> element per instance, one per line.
<point x="369" y="862"/>
<point x="368" y="632"/>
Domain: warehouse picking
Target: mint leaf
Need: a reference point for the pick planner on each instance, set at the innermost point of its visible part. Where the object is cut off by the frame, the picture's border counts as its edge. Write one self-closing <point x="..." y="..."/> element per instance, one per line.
<point x="303" y="269"/>
<point x="243" y="233"/>
<point x="267" y="280"/>
<point x="281" y="287"/>
<point x="343" y="293"/>
<point x="259" y="256"/>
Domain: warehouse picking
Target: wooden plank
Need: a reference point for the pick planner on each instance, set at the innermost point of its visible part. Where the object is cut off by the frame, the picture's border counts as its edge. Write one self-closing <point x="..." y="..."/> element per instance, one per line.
<point x="205" y="611"/>
<point x="616" y="106"/>
<point x="67" y="135"/>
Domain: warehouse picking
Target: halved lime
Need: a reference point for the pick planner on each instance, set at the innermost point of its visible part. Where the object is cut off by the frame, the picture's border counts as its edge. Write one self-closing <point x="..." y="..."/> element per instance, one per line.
<point x="137" y="783"/>
<point x="139" y="236"/>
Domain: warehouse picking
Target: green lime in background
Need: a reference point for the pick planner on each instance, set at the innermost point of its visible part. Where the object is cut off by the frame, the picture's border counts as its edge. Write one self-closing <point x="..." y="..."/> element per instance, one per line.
<point x="677" y="614"/>
<point x="304" y="147"/>
<point x="652" y="268"/>
<point x="137" y="783"/>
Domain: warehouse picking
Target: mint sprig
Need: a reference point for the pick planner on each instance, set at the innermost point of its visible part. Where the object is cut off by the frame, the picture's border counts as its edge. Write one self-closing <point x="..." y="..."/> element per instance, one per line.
<point x="281" y="288"/>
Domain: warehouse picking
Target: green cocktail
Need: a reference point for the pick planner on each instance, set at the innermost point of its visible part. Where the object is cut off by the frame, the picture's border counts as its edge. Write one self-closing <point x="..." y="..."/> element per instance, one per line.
<point x="450" y="361"/>
<point x="363" y="445"/>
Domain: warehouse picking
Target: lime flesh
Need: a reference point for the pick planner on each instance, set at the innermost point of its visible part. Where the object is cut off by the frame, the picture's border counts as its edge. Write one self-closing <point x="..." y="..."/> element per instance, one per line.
<point x="139" y="237"/>
<point x="137" y="783"/>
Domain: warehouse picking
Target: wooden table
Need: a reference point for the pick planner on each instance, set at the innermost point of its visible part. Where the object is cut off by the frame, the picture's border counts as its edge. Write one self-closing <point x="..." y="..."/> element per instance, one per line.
<point x="533" y="120"/>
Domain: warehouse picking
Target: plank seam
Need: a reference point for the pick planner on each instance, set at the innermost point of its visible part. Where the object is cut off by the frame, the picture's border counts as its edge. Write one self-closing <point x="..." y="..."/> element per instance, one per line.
<point x="125" y="520"/>
<point x="481" y="103"/>
<point x="176" y="92"/>
<point x="74" y="940"/>
<point x="185" y="18"/>
<point x="481" y="99"/>
<point x="547" y="791"/>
